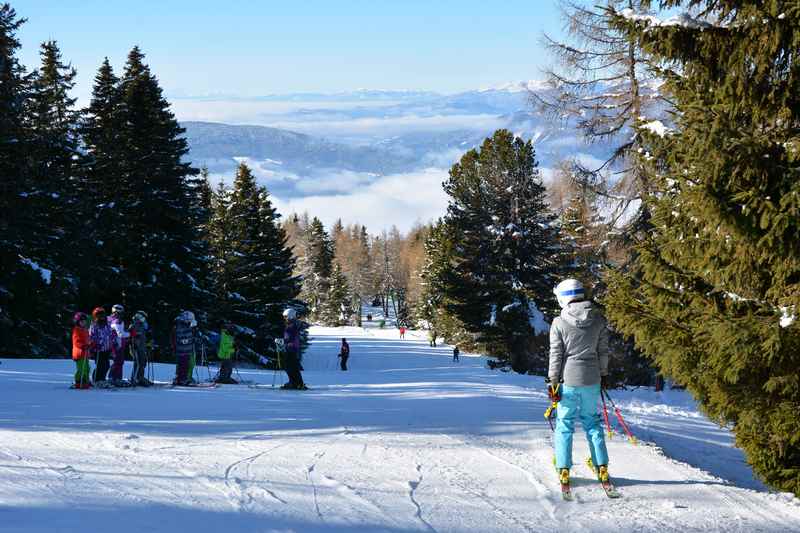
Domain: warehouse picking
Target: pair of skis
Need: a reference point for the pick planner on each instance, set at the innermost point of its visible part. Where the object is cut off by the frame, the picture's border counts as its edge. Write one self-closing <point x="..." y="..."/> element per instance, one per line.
<point x="607" y="486"/>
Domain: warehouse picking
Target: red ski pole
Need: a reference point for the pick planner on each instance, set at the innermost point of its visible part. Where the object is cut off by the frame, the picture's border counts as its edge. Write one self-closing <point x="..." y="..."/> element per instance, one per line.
<point x="605" y="415"/>
<point x="621" y="420"/>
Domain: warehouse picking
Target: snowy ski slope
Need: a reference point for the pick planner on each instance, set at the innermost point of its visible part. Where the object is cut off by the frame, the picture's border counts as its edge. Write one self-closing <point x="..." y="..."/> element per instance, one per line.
<point x="405" y="441"/>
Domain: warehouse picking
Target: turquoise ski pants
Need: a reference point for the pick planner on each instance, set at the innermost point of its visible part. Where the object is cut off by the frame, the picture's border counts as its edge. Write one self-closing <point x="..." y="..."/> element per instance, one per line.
<point x="579" y="402"/>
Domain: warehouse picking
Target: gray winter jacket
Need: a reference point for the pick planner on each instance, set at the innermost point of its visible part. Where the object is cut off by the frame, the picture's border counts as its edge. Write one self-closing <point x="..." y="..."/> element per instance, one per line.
<point x="579" y="342"/>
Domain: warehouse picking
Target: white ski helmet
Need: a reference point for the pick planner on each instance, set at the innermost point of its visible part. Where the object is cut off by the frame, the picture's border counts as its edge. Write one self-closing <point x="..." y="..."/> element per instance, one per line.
<point x="290" y="314"/>
<point x="568" y="291"/>
<point x="188" y="317"/>
<point x="117" y="308"/>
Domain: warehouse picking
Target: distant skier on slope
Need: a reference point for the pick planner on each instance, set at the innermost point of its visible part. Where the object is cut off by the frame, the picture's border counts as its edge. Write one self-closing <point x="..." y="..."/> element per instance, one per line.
<point x="456" y="353"/>
<point x="291" y="356"/>
<point x="344" y="354"/>
<point x="432" y="338"/>
<point x="577" y="371"/>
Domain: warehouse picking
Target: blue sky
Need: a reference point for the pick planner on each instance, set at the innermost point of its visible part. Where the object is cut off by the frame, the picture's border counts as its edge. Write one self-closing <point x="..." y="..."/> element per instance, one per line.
<point x="254" y="47"/>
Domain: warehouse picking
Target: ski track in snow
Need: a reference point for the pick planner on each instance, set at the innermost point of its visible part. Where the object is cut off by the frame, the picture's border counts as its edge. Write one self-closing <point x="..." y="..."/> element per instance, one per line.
<point x="405" y="441"/>
<point x="311" y="479"/>
<point x="413" y="486"/>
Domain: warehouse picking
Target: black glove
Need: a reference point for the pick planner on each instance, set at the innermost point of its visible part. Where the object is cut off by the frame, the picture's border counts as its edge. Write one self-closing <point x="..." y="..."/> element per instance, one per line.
<point x="554" y="392"/>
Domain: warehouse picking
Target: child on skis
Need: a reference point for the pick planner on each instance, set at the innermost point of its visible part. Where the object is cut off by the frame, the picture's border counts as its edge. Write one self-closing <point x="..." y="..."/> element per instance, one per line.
<point x="103" y="340"/>
<point x="120" y="347"/>
<point x="80" y="350"/>
<point x="225" y="352"/>
<point x="184" y="345"/>
<point x="138" y="344"/>
<point x="577" y="371"/>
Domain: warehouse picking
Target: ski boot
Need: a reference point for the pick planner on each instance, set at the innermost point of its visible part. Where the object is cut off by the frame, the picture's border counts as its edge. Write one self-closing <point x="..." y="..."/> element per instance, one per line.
<point x="563" y="478"/>
<point x="603" y="477"/>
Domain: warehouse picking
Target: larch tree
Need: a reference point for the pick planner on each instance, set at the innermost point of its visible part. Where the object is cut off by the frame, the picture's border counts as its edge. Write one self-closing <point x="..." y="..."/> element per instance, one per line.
<point x="603" y="85"/>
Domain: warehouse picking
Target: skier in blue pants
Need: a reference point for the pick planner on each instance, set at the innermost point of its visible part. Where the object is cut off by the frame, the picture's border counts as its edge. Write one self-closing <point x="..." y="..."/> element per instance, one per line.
<point x="577" y="371"/>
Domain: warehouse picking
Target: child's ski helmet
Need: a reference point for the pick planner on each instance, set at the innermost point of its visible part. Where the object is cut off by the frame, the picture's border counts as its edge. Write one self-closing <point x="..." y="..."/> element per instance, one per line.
<point x="140" y="316"/>
<point x="188" y="318"/>
<point x="117" y="308"/>
<point x="568" y="291"/>
<point x="98" y="313"/>
<point x="79" y="318"/>
<point x="289" y="314"/>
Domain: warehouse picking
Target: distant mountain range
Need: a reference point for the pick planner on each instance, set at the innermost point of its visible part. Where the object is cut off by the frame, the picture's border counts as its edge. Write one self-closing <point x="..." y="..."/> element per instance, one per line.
<point x="293" y="141"/>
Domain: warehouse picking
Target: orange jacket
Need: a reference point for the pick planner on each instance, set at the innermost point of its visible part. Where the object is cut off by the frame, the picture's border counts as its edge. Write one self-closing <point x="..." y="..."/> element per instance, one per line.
<point x="80" y="343"/>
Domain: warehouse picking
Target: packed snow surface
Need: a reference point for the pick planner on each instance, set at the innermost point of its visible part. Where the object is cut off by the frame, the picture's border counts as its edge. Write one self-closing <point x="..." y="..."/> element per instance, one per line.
<point x="407" y="440"/>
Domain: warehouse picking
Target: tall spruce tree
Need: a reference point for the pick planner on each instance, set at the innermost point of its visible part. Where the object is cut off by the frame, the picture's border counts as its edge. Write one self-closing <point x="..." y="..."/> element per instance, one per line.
<point x="317" y="267"/>
<point x="152" y="240"/>
<point x="715" y="289"/>
<point x="100" y="133"/>
<point x="337" y="308"/>
<point x="24" y="293"/>
<point x="53" y="151"/>
<point x="253" y="265"/>
<point x="219" y="236"/>
<point x="506" y="253"/>
<point x="437" y="269"/>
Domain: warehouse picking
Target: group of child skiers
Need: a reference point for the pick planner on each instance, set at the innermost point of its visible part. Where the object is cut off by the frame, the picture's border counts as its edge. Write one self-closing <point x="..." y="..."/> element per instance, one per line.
<point x="108" y="339"/>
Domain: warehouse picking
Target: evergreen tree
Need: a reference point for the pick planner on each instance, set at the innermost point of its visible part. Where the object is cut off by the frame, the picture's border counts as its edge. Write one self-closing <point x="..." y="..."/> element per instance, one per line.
<point x="436" y="272"/>
<point x="100" y="132"/>
<point x="715" y="289"/>
<point x="507" y="249"/>
<point x="361" y="280"/>
<point x="53" y="151"/>
<point x="252" y="262"/>
<point x="152" y="241"/>
<point x="337" y="230"/>
<point x="317" y="267"/>
<point x="337" y="304"/>
<point x="219" y="235"/>
<point x="24" y="293"/>
<point x="53" y="121"/>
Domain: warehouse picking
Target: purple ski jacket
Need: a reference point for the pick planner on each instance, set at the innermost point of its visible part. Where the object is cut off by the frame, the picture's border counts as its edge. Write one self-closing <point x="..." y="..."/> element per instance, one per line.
<point x="103" y="338"/>
<point x="291" y="336"/>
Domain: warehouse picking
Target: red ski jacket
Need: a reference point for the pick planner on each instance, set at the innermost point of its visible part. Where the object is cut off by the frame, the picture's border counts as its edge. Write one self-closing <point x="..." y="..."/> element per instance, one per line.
<point x="80" y="343"/>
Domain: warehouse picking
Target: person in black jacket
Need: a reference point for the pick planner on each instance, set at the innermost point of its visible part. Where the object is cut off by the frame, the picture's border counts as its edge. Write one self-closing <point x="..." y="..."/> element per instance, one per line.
<point x="456" y="353"/>
<point x="344" y="353"/>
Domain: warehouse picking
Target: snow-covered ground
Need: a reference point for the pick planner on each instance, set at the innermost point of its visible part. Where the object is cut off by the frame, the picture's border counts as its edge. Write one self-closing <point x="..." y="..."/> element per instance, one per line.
<point x="406" y="441"/>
